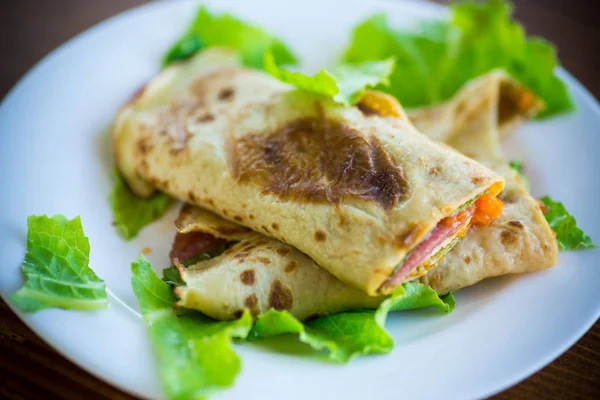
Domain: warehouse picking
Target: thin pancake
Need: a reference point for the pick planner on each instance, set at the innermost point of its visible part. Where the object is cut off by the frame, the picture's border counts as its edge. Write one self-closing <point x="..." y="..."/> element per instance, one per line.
<point x="353" y="190"/>
<point x="520" y="240"/>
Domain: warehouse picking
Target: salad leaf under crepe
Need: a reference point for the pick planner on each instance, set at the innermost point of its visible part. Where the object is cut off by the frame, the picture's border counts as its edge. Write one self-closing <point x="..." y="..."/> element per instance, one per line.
<point x="208" y="30"/>
<point x="130" y="212"/>
<point x="433" y="62"/>
<point x="344" y="84"/>
<point x="56" y="267"/>
<point x="349" y="334"/>
<point x="194" y="352"/>
<point x="568" y="235"/>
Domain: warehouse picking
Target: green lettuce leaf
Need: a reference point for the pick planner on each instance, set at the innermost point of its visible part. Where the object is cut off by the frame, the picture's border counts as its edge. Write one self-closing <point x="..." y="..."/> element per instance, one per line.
<point x="518" y="167"/>
<point x="568" y="235"/>
<point x="344" y="84"/>
<point x="56" y="267"/>
<point x="434" y="61"/>
<point x="349" y="334"/>
<point x="414" y="295"/>
<point x="172" y="277"/>
<point x="130" y="212"/>
<point x="194" y="352"/>
<point x="225" y="30"/>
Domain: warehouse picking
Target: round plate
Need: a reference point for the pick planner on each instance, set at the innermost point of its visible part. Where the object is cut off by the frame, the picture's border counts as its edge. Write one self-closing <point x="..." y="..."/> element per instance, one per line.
<point x="55" y="158"/>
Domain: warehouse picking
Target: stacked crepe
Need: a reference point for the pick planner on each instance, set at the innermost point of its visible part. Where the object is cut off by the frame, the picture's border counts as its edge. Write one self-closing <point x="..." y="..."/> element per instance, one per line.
<point x="518" y="241"/>
<point x="320" y="208"/>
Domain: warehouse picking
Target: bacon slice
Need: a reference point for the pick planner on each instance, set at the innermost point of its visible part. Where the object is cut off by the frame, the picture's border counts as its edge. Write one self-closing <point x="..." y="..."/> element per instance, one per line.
<point x="446" y="228"/>
<point x="187" y="245"/>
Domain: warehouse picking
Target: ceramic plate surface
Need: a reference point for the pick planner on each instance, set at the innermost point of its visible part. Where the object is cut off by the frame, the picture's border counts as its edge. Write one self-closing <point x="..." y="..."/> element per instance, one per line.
<point x="55" y="158"/>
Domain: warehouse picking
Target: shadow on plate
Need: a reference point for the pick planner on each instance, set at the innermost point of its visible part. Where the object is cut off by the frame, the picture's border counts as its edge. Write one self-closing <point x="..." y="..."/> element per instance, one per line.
<point x="103" y="148"/>
<point x="408" y="327"/>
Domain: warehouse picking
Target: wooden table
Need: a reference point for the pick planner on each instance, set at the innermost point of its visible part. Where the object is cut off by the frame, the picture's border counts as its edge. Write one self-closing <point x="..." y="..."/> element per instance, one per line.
<point x="30" y="369"/>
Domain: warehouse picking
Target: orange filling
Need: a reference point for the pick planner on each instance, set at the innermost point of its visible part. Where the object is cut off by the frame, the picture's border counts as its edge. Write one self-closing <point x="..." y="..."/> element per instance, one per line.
<point x="487" y="208"/>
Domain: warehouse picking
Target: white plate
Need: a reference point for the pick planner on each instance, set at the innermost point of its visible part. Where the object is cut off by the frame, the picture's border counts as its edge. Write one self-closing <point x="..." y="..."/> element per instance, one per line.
<point x="55" y="158"/>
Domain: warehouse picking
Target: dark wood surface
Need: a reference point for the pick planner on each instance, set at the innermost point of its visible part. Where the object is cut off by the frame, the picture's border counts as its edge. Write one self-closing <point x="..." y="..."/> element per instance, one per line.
<point x="29" y="30"/>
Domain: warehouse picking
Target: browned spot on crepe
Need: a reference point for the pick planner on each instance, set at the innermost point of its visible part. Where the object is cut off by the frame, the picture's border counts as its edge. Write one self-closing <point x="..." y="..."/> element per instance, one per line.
<point x="226" y="94"/>
<point x="275" y="226"/>
<point x="283" y="251"/>
<point x="508" y="237"/>
<point x="264" y="260"/>
<point x="241" y="257"/>
<point x="320" y="236"/>
<point x="320" y="161"/>
<point x="251" y="301"/>
<point x="477" y="180"/>
<point x="280" y="296"/>
<point x="366" y="110"/>
<point x="460" y="107"/>
<point x="544" y="208"/>
<point x="144" y="146"/>
<point x="247" y="277"/>
<point x="207" y="117"/>
<point x="467" y="259"/>
<point x="291" y="266"/>
<point x="192" y="196"/>
<point x="209" y="83"/>
<point x="516" y="223"/>
<point x="238" y="218"/>
<point x="435" y="171"/>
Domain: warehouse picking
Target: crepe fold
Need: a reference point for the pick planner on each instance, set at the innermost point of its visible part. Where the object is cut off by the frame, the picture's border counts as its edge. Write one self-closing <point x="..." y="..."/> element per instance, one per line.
<point x="355" y="191"/>
<point x="258" y="273"/>
<point x="518" y="241"/>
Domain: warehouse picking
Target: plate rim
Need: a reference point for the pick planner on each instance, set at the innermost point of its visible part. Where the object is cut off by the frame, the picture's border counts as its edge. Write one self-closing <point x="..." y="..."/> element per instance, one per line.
<point x="513" y="379"/>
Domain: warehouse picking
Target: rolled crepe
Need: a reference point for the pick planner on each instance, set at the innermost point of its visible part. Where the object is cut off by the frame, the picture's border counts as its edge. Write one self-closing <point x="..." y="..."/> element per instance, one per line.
<point x="368" y="198"/>
<point x="518" y="241"/>
<point x="256" y="273"/>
